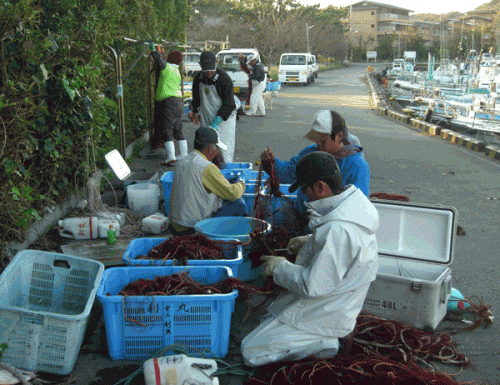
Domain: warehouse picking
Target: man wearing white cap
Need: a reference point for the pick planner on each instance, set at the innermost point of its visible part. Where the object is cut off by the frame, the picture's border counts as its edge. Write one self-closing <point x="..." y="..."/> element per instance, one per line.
<point x="258" y="79"/>
<point x="199" y="190"/>
<point x="213" y="102"/>
<point x="329" y="134"/>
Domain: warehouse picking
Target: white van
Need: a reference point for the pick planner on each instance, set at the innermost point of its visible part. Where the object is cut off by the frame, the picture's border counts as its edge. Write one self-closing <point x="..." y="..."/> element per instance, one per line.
<point x="296" y="68"/>
<point x="191" y="62"/>
<point x="229" y="62"/>
<point x="315" y="66"/>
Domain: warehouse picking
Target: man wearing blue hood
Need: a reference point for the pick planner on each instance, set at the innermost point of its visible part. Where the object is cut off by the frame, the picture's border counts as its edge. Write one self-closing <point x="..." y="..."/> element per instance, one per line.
<point x="327" y="285"/>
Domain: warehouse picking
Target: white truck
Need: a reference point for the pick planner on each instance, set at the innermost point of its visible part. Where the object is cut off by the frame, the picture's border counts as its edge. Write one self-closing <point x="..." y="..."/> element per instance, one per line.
<point x="298" y="68"/>
<point x="191" y="62"/>
<point x="228" y="61"/>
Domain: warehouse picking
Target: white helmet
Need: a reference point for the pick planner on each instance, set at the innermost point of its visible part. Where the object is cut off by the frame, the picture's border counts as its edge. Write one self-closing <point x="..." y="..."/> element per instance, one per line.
<point x="251" y="57"/>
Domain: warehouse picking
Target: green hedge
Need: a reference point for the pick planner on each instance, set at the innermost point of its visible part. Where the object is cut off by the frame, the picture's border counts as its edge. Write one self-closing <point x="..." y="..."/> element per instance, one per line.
<point x="58" y="106"/>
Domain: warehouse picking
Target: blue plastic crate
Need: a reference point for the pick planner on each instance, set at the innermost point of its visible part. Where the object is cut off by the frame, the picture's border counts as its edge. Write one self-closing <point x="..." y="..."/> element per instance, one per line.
<point x="201" y="322"/>
<point x="166" y="184"/>
<point x="250" y="188"/>
<point x="273" y="86"/>
<point x="242" y="165"/>
<point x="141" y="246"/>
<point x="276" y="203"/>
<point x="255" y="175"/>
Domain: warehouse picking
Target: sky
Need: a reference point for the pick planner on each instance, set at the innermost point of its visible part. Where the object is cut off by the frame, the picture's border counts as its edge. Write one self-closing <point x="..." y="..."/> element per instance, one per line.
<point x="418" y="6"/>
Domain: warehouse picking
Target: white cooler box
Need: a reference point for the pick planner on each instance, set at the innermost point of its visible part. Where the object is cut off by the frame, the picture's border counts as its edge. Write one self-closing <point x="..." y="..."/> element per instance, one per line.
<point x="415" y="245"/>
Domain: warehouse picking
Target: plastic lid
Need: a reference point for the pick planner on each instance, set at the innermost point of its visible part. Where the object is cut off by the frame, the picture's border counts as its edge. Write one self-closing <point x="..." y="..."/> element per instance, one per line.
<point x="415" y="231"/>
<point x="117" y="164"/>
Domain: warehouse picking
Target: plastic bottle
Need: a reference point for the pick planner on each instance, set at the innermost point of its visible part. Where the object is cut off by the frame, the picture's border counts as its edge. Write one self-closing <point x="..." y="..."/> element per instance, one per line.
<point x="111" y="235"/>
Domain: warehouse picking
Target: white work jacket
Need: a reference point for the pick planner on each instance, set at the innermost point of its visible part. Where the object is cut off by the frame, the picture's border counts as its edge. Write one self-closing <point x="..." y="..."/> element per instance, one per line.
<point x="328" y="283"/>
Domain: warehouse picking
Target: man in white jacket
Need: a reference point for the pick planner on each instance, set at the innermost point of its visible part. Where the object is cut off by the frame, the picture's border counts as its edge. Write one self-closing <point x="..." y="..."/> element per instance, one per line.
<point x="328" y="283"/>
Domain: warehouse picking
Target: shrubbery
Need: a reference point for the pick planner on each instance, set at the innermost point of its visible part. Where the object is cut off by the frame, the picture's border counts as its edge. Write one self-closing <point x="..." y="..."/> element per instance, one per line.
<point x="58" y="108"/>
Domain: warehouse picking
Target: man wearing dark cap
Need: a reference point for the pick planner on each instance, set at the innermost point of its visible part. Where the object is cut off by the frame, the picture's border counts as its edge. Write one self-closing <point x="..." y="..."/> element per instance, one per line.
<point x="327" y="285"/>
<point x="168" y="106"/>
<point x="213" y="102"/>
<point x="199" y="190"/>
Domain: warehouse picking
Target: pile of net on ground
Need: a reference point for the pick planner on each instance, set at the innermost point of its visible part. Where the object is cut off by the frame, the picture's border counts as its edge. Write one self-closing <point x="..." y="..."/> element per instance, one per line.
<point x="379" y="351"/>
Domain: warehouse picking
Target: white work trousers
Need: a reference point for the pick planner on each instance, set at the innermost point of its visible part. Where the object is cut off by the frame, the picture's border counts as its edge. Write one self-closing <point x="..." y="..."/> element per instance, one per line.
<point x="274" y="341"/>
<point x="257" y="106"/>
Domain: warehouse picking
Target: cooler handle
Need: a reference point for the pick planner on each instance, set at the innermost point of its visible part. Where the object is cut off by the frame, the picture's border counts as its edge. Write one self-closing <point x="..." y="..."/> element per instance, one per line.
<point x="445" y="289"/>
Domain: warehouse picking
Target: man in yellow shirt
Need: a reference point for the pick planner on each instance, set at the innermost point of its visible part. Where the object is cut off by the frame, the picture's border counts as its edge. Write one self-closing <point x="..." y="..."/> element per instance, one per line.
<point x="199" y="190"/>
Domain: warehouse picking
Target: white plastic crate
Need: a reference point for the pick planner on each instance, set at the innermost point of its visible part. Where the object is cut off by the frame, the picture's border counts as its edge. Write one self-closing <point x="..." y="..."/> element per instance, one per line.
<point x="415" y="247"/>
<point x="44" y="308"/>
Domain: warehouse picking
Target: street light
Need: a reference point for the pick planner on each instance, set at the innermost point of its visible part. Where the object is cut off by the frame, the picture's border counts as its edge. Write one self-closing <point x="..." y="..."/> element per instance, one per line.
<point x="307" y="34"/>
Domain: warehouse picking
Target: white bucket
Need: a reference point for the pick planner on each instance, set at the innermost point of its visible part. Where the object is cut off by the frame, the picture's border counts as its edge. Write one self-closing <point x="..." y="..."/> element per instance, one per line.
<point x="155" y="224"/>
<point x="104" y="227"/>
<point x="143" y="198"/>
<point x="79" y="228"/>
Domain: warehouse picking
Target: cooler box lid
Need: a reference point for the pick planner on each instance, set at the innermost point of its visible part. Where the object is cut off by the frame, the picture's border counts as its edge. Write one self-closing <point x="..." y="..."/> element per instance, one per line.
<point x="416" y="231"/>
<point x="118" y="164"/>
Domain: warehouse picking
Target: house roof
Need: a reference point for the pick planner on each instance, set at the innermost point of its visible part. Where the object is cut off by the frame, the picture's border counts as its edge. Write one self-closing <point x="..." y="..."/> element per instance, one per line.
<point x="372" y="4"/>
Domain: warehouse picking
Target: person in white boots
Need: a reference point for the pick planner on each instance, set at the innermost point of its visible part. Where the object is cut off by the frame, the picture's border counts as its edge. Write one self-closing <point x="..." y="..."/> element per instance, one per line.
<point x="213" y="102"/>
<point x="258" y="79"/>
<point x="168" y="106"/>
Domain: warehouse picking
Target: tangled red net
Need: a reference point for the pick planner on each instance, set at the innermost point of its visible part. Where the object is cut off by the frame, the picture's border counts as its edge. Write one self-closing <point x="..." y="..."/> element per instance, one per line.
<point x="378" y="351"/>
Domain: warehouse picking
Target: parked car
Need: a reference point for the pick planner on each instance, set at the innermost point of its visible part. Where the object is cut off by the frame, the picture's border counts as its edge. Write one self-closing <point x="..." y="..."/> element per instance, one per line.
<point x="229" y="62"/>
<point x="191" y="63"/>
<point x="314" y="64"/>
<point x="298" y="68"/>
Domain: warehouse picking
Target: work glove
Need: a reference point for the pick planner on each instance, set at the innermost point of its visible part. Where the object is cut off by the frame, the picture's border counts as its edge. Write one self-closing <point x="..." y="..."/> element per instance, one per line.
<point x="295" y="244"/>
<point x="151" y="46"/>
<point x="215" y="123"/>
<point x="235" y="178"/>
<point x="270" y="263"/>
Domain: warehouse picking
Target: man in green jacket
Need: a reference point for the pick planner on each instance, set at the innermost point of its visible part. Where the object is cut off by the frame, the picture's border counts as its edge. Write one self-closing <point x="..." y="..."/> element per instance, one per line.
<point x="168" y="106"/>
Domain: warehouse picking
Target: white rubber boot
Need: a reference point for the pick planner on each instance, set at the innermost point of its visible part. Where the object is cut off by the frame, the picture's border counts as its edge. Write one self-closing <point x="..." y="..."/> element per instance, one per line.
<point x="183" y="148"/>
<point x="169" y="146"/>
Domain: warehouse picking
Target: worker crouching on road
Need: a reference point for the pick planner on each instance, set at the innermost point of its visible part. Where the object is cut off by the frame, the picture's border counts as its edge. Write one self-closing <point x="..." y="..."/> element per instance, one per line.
<point x="199" y="190"/>
<point x="328" y="283"/>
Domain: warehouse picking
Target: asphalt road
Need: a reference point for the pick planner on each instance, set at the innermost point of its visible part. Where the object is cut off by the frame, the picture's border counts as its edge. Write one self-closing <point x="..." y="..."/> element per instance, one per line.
<point x="402" y="161"/>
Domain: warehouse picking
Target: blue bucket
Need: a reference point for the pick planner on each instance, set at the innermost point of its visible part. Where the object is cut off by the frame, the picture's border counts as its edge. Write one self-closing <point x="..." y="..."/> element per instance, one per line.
<point x="229" y="227"/>
<point x="234" y="228"/>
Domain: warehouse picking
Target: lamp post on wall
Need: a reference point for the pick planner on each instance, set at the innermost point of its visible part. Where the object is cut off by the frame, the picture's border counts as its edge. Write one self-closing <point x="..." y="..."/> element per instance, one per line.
<point x="307" y="35"/>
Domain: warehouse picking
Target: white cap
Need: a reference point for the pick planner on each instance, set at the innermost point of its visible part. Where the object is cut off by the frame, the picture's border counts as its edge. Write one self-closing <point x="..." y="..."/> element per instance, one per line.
<point x="323" y="123"/>
<point x="250" y="58"/>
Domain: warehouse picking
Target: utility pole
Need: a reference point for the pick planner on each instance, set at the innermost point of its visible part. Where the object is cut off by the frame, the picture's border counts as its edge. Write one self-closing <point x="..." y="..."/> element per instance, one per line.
<point x="350" y="28"/>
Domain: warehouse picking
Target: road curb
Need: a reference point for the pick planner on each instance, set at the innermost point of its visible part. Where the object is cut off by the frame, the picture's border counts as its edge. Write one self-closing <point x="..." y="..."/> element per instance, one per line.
<point x="492" y="152"/>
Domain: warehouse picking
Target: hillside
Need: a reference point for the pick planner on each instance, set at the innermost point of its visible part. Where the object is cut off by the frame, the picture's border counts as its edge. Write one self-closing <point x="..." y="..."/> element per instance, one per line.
<point x="492" y="5"/>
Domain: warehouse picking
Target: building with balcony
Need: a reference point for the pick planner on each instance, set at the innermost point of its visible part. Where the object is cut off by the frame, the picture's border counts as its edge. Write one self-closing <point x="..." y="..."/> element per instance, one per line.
<point x="369" y="22"/>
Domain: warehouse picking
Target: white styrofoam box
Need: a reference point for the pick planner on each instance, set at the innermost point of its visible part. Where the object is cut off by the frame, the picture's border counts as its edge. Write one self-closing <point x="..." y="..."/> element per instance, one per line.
<point x="44" y="309"/>
<point x="415" y="246"/>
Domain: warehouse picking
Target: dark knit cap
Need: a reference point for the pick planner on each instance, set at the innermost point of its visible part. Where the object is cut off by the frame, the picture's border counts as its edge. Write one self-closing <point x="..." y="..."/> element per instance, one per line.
<point x="175" y="57"/>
